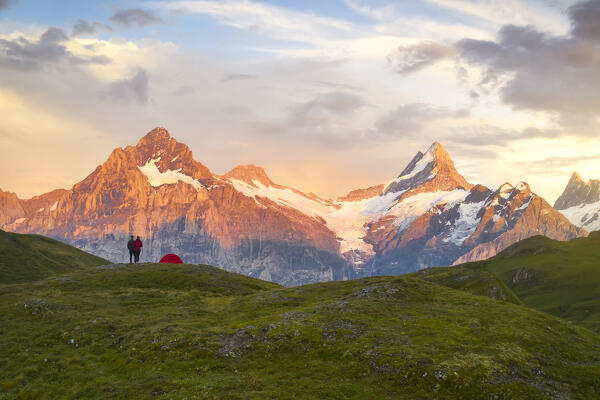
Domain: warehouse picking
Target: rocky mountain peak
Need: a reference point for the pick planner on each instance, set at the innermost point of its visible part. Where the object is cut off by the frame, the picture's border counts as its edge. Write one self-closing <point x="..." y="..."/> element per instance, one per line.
<point x="578" y="192"/>
<point x="575" y="178"/>
<point x="433" y="170"/>
<point x="159" y="148"/>
<point x="506" y="187"/>
<point x="250" y="174"/>
<point x="155" y="136"/>
<point x="523" y="187"/>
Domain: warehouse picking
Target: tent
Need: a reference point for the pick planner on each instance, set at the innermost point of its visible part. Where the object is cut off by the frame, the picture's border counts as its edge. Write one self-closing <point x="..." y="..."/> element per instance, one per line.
<point x="171" y="259"/>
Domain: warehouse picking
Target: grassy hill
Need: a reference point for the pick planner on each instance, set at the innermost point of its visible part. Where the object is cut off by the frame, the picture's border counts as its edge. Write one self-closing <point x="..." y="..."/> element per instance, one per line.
<point x="155" y="331"/>
<point x="561" y="278"/>
<point x="25" y="258"/>
<point x="479" y="282"/>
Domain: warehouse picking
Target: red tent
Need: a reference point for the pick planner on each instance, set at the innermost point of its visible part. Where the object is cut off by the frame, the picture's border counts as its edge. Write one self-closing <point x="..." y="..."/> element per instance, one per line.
<point x="171" y="259"/>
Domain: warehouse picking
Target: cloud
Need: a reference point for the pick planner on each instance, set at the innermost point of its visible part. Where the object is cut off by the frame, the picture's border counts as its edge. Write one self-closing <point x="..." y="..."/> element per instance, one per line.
<point x="377" y="13"/>
<point x="238" y="77"/>
<point x="409" y="120"/>
<point x="585" y="20"/>
<point x="21" y="53"/>
<point x="4" y="4"/>
<point x="537" y="71"/>
<point x="135" y="16"/>
<point x="408" y="59"/>
<point x="519" y="12"/>
<point x="488" y="135"/>
<point x="26" y="55"/>
<point x="83" y="27"/>
<point x="273" y="21"/>
<point x="325" y="120"/>
<point x="133" y="88"/>
<point x="237" y="143"/>
<point x="555" y="165"/>
<point x="325" y="108"/>
<point x="183" y="91"/>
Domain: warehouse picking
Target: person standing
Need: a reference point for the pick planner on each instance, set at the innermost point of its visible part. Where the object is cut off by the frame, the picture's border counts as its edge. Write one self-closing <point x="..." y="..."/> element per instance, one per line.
<point x="130" y="248"/>
<point x="137" y="249"/>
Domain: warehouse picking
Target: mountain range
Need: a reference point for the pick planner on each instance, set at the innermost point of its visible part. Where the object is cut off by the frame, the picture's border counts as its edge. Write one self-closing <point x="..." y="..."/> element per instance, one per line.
<point x="429" y="215"/>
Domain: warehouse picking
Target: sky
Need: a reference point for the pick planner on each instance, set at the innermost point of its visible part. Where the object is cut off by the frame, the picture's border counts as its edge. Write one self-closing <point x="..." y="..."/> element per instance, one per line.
<point x="327" y="96"/>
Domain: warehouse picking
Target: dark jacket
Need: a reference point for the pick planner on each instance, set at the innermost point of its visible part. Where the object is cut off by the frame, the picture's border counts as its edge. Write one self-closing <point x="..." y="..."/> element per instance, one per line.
<point x="130" y="244"/>
<point x="137" y="245"/>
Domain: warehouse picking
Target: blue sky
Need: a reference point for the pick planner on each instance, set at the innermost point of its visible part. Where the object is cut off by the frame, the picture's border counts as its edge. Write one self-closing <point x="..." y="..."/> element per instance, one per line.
<point x="348" y="90"/>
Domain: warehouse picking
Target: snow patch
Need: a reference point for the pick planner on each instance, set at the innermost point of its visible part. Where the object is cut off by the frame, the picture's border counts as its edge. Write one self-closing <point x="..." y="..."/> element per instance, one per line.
<point x="344" y="219"/>
<point x="176" y="157"/>
<point x="157" y="178"/>
<point x="53" y="208"/>
<point x="467" y="222"/>
<point x="526" y="204"/>
<point x="413" y="207"/>
<point x="350" y="220"/>
<point x="41" y="209"/>
<point x="20" y="220"/>
<point x="585" y="216"/>
<point x="427" y="159"/>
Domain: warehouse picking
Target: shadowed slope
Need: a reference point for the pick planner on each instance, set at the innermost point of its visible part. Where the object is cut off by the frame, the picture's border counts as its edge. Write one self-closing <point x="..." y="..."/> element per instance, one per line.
<point x="26" y="258"/>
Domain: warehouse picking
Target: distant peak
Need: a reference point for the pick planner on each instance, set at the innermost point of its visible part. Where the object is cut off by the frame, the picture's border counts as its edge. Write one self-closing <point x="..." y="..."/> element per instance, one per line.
<point x="576" y="177"/>
<point x="505" y="187"/>
<point x="249" y="174"/>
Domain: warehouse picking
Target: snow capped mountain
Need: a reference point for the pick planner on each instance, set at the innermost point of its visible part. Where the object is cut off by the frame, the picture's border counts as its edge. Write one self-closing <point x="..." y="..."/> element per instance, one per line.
<point x="580" y="202"/>
<point x="244" y="222"/>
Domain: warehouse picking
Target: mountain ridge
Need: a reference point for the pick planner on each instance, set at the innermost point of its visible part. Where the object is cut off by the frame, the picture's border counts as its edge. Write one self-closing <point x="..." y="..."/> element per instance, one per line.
<point x="242" y="221"/>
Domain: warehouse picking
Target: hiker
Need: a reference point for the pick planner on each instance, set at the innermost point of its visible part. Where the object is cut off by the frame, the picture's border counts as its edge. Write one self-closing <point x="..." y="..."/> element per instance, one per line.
<point x="130" y="248"/>
<point x="137" y="249"/>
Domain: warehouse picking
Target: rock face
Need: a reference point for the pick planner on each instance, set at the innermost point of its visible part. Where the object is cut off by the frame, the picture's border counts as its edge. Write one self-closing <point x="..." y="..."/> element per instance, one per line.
<point x="244" y="222"/>
<point x="580" y="202"/>
<point x="11" y="208"/>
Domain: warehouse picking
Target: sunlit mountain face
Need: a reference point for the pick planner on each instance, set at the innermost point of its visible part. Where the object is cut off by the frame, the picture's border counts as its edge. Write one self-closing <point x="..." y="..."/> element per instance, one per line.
<point x="428" y="215"/>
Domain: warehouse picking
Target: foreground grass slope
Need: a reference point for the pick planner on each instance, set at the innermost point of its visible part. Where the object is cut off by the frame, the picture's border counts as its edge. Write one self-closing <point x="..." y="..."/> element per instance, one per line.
<point x="197" y="332"/>
<point x="25" y="258"/>
<point x="561" y="278"/>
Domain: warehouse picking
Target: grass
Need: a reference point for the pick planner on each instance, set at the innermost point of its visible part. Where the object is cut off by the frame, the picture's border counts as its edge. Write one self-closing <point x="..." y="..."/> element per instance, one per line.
<point x="560" y="278"/>
<point x="159" y="331"/>
<point x="26" y="258"/>
<point x="479" y="282"/>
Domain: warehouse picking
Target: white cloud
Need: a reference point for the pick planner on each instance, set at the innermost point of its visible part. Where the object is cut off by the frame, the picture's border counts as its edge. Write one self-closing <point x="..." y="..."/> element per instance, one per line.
<point x="519" y="12"/>
<point x="273" y="21"/>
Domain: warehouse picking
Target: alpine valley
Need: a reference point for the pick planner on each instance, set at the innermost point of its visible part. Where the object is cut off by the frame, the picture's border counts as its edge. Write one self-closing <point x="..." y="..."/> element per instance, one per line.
<point x="244" y="222"/>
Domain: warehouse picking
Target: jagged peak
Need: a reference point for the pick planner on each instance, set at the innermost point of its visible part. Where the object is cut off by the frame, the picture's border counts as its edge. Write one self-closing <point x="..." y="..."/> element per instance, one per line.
<point x="436" y="153"/>
<point x="576" y="178"/>
<point x="437" y="149"/>
<point x="434" y="167"/>
<point x="158" y="134"/>
<point x="578" y="191"/>
<point x="249" y="174"/>
<point x="523" y="186"/>
<point x="506" y="187"/>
